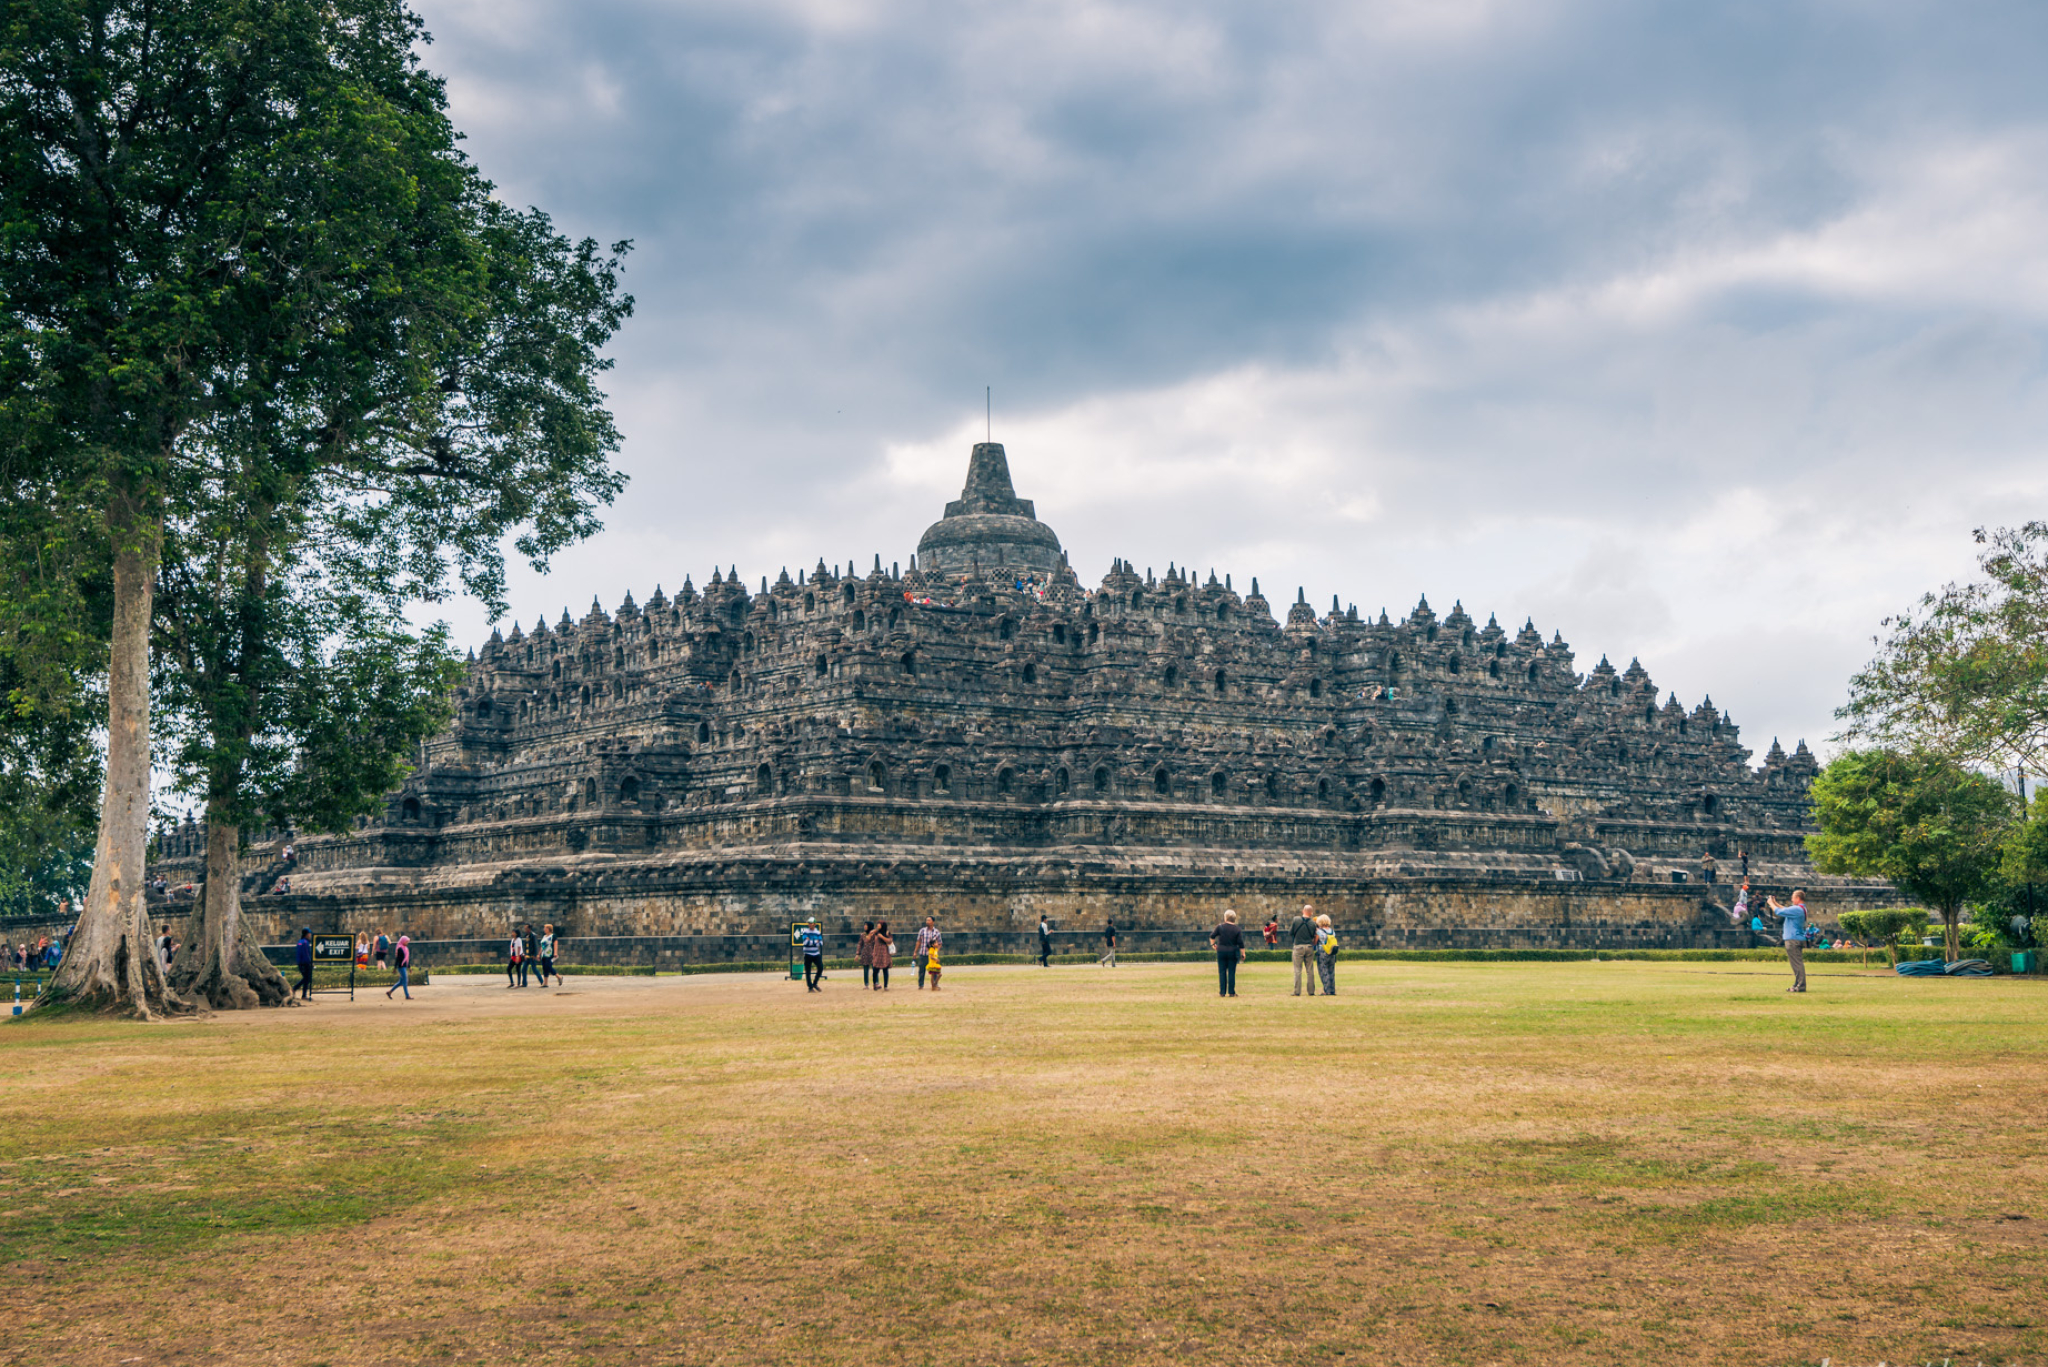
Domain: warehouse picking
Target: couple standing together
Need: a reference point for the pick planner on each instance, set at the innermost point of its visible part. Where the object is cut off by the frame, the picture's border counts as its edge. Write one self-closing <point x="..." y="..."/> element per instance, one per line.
<point x="1315" y="949"/>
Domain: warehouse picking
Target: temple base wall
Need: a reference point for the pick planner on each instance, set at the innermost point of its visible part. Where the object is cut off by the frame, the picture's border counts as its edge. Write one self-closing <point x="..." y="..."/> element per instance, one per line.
<point x="740" y="908"/>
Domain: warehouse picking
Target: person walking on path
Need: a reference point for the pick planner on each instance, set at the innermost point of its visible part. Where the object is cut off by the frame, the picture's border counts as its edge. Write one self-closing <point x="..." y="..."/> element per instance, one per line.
<point x="401" y="961"/>
<point x="932" y="964"/>
<point x="515" y="957"/>
<point x="812" y="941"/>
<point x="1228" y="942"/>
<point x="530" y="963"/>
<point x="383" y="948"/>
<point x="1744" y="855"/>
<point x="1044" y="943"/>
<point x="1108" y="944"/>
<point x="881" y="953"/>
<point x="1326" y="955"/>
<point x="1794" y="917"/>
<point x="928" y="942"/>
<point x="863" y="954"/>
<point x="1303" y="937"/>
<point x="304" y="949"/>
<point x="549" y="947"/>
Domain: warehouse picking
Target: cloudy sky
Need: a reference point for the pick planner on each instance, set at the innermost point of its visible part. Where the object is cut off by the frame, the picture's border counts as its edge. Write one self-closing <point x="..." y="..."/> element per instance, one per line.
<point x="1702" y="333"/>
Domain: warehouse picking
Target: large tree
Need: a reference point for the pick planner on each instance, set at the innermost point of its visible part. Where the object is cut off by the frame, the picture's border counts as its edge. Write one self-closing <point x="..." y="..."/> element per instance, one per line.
<point x="1935" y="829"/>
<point x="260" y="306"/>
<point x="1965" y="672"/>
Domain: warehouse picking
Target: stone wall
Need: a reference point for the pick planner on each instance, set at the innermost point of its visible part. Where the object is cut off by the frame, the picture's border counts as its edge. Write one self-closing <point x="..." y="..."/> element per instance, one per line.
<point x="729" y="907"/>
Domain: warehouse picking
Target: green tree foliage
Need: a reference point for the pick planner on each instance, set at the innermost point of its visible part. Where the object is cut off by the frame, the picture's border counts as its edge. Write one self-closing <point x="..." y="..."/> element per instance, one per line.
<point x="1884" y="925"/>
<point x="266" y="327"/>
<point x="49" y="777"/>
<point x="1934" y="828"/>
<point x="1965" y="673"/>
<point x="51" y="667"/>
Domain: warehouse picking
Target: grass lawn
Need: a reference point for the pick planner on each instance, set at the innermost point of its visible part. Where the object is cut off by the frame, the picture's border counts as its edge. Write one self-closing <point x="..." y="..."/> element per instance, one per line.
<point x="1448" y="1162"/>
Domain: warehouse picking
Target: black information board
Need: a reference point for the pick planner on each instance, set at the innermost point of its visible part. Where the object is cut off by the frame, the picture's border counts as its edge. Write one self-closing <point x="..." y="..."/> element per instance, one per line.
<point x="332" y="947"/>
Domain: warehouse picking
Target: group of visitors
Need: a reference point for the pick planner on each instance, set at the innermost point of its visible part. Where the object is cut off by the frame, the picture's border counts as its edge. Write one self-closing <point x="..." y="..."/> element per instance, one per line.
<point x="44" y="954"/>
<point x="1314" y="954"/>
<point x="378" y="950"/>
<point x="876" y="954"/>
<point x="1710" y="868"/>
<point x="530" y="955"/>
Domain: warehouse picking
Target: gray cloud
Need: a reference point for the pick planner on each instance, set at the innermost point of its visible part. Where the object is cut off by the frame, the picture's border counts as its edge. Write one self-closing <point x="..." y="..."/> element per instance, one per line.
<point x="1705" y="331"/>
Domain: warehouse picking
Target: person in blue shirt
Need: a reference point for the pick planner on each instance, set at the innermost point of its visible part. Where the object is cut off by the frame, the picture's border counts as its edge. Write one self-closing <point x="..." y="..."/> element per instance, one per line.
<point x="1794" y="917"/>
<point x="305" y="953"/>
<point x="812" y="941"/>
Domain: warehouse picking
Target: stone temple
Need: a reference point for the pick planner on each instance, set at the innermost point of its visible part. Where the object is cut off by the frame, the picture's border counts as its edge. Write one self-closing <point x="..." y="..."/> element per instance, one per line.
<point x="984" y="738"/>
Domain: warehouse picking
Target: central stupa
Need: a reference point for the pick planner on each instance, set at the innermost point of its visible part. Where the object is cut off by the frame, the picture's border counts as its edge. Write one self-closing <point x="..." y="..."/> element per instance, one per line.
<point x="988" y="525"/>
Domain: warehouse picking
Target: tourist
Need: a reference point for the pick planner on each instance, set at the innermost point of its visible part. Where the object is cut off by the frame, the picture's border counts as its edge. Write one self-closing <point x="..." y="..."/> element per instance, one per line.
<point x="362" y="949"/>
<point x="531" y="962"/>
<point x="1740" y="910"/>
<point x="1744" y="856"/>
<point x="863" y="954"/>
<point x="928" y="942"/>
<point x="1326" y="955"/>
<point x="1228" y="942"/>
<point x="812" y="941"/>
<point x="304" y="949"/>
<point x="549" y="946"/>
<point x="1708" y="868"/>
<point x="1303" y="937"/>
<point x="1794" y="917"/>
<point x="402" y="961"/>
<point x="932" y="964"/>
<point x="881" y="953"/>
<point x="515" y="956"/>
<point x="166" y="950"/>
<point x="383" y="948"/>
<point x="1044" y="943"/>
<point x="1108" y="944"/>
<point x="1272" y="932"/>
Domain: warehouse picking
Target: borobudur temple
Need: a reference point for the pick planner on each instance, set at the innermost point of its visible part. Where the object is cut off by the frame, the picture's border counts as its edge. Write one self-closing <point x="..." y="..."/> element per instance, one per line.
<point x="982" y="737"/>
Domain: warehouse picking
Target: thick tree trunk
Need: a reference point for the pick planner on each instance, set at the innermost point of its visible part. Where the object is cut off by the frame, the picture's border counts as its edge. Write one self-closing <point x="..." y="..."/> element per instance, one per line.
<point x="111" y="964"/>
<point x="1951" y="933"/>
<point x="226" y="968"/>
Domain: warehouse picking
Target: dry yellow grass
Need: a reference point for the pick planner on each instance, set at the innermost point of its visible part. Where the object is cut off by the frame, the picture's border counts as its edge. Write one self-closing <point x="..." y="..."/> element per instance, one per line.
<point x="1472" y="1163"/>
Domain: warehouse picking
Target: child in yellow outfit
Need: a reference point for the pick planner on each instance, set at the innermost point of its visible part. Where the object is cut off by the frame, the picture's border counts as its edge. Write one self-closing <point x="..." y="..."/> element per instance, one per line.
<point x="932" y="967"/>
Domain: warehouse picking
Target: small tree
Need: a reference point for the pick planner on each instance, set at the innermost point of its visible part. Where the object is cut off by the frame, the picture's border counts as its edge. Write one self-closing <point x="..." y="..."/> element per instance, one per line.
<point x="1932" y="827"/>
<point x="1883" y="926"/>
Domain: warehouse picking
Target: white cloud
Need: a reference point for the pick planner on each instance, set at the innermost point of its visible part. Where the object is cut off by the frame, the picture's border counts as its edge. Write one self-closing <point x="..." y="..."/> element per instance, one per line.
<point x="1702" y="338"/>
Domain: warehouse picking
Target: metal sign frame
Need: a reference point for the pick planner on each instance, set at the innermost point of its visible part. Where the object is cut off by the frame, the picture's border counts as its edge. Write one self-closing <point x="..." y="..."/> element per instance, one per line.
<point x="328" y="948"/>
